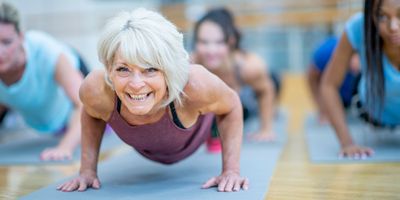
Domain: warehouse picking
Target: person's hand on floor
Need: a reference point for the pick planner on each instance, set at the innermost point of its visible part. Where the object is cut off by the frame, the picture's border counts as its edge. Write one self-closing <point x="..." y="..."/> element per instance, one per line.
<point x="356" y="152"/>
<point x="56" y="153"/>
<point x="81" y="183"/>
<point x="228" y="182"/>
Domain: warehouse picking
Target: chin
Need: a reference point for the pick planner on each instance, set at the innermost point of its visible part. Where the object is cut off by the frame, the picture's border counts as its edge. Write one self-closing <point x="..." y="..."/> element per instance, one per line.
<point x="139" y="110"/>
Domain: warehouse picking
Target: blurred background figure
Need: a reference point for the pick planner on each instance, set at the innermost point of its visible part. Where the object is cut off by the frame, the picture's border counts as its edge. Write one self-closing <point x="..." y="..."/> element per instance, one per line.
<point x="217" y="47"/>
<point x="320" y="60"/>
<point x="40" y="79"/>
<point x="375" y="36"/>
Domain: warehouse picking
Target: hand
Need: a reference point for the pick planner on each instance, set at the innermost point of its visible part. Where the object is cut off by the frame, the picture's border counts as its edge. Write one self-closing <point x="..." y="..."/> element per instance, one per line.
<point x="263" y="136"/>
<point x="56" y="153"/>
<point x="81" y="183"/>
<point x="356" y="152"/>
<point x="227" y="182"/>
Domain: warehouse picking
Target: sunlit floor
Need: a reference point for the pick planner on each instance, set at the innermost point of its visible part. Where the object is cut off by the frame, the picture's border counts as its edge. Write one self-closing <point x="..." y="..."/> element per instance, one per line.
<point x="294" y="177"/>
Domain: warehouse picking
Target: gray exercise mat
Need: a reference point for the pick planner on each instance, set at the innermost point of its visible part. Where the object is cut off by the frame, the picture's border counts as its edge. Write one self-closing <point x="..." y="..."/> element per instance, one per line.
<point x="130" y="176"/>
<point x="323" y="145"/>
<point x="27" y="151"/>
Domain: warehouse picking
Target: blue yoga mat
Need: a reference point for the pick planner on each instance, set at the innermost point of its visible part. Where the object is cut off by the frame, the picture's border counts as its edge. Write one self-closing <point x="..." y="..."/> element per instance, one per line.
<point x="323" y="145"/>
<point x="27" y="151"/>
<point x="130" y="176"/>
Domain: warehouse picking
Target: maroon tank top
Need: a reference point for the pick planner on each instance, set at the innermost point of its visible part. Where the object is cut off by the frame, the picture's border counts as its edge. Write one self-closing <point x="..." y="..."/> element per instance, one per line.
<point x="162" y="141"/>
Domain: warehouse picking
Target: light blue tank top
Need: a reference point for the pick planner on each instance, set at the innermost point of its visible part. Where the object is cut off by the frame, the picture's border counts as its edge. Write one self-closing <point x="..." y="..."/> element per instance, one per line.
<point x="37" y="96"/>
<point x="391" y="105"/>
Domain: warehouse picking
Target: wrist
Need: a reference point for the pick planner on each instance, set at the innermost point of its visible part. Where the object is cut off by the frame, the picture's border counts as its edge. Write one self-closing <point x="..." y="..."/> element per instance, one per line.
<point x="91" y="172"/>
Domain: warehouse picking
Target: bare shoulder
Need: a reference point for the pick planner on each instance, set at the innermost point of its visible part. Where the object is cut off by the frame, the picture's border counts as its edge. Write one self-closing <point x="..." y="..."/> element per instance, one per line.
<point x="199" y="79"/>
<point x="96" y="96"/>
<point x="254" y="64"/>
<point x="204" y="88"/>
<point x="253" y="67"/>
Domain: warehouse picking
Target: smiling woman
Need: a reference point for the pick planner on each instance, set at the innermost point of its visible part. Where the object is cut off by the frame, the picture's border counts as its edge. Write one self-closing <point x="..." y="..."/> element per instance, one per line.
<point x="155" y="100"/>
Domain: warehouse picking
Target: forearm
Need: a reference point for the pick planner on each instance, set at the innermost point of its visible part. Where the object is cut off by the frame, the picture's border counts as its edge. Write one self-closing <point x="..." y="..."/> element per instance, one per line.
<point x="266" y="102"/>
<point x="334" y="107"/>
<point x="230" y="126"/>
<point x="92" y="134"/>
<point x="314" y="83"/>
<point x="72" y="136"/>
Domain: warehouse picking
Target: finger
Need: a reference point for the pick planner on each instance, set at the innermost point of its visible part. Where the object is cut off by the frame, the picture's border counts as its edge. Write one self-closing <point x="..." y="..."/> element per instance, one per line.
<point x="66" y="186"/>
<point x="356" y="156"/>
<point x="229" y="185"/>
<point x="73" y="186"/>
<point x="82" y="185"/>
<point x="44" y="154"/>
<point x="236" y="187"/>
<point x="60" y="186"/>
<point x="96" y="184"/>
<point x="369" y="152"/>
<point x="210" y="183"/>
<point x="246" y="184"/>
<point x="222" y="184"/>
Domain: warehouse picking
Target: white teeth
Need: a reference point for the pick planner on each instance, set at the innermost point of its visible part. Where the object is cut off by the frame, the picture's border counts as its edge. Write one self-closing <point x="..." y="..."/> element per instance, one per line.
<point x="140" y="97"/>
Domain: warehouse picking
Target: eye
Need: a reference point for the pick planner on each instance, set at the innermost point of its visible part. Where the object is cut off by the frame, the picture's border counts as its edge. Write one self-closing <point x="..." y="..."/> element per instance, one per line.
<point x="6" y="42"/>
<point x="382" y="17"/>
<point x="122" y="69"/>
<point x="151" y="70"/>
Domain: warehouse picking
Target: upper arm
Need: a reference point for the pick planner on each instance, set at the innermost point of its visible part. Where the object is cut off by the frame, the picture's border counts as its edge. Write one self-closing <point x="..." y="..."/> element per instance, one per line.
<point x="207" y="93"/>
<point x="69" y="78"/>
<point x="339" y="62"/>
<point x="256" y="74"/>
<point x="96" y="96"/>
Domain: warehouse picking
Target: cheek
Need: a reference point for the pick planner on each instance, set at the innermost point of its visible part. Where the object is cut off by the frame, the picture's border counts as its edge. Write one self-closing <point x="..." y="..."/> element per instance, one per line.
<point x="383" y="30"/>
<point x="159" y="85"/>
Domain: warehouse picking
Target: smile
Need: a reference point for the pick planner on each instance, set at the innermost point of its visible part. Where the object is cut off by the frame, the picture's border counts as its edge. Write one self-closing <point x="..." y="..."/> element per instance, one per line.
<point x="138" y="97"/>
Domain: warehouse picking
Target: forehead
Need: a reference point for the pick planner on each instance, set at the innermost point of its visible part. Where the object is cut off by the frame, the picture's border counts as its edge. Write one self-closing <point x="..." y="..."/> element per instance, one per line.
<point x="120" y="58"/>
<point x="209" y="30"/>
<point x="7" y="30"/>
<point x="391" y="5"/>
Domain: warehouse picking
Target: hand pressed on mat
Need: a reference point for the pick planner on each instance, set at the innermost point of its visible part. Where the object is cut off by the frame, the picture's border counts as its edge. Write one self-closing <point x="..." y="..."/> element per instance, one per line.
<point x="81" y="183"/>
<point x="228" y="182"/>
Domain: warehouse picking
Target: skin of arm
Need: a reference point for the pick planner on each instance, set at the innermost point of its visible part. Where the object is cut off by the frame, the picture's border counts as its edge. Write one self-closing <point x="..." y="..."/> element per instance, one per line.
<point x="70" y="80"/>
<point x="314" y="80"/>
<point x="210" y="94"/>
<point x="97" y="102"/>
<point x="257" y="77"/>
<point x="331" y="81"/>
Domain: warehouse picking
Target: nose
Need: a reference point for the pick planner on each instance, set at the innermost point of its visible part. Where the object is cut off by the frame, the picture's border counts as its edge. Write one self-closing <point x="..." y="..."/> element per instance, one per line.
<point x="136" y="82"/>
<point x="394" y="25"/>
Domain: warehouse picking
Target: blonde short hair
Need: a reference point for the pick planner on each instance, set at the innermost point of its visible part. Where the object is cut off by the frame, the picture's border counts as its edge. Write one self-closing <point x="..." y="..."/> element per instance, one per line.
<point x="146" y="39"/>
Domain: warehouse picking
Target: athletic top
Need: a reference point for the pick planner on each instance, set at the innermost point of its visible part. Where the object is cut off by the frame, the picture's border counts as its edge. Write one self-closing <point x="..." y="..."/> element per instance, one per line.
<point x="390" y="114"/>
<point x="37" y="96"/>
<point x="162" y="141"/>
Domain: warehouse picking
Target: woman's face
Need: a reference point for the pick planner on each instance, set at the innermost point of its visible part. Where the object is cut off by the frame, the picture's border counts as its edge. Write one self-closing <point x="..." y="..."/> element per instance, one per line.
<point x="10" y="47"/>
<point x="388" y="20"/>
<point x="140" y="90"/>
<point x="211" y="47"/>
